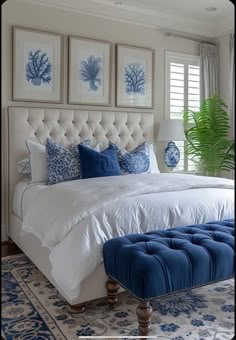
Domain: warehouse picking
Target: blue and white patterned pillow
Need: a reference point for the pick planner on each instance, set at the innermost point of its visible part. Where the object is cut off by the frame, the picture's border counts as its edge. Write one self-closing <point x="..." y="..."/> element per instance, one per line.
<point x="63" y="164"/>
<point x="136" y="161"/>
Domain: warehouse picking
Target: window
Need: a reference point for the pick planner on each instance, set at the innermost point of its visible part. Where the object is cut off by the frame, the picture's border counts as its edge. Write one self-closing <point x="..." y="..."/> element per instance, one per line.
<point x="182" y="87"/>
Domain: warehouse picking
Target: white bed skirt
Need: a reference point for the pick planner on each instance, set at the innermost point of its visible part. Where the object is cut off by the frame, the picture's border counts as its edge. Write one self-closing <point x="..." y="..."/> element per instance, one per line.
<point x="92" y="288"/>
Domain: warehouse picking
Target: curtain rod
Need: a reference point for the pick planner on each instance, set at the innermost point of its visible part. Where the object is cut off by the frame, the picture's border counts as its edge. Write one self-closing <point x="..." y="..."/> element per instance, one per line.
<point x="168" y="34"/>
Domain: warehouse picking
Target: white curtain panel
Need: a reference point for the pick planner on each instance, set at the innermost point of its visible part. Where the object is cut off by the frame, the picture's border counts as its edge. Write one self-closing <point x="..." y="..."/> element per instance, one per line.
<point x="232" y="84"/>
<point x="209" y="70"/>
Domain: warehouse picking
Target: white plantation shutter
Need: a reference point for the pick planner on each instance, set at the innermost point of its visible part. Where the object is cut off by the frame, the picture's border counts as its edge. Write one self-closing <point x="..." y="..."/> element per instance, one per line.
<point x="182" y="90"/>
<point x="176" y="90"/>
<point x="193" y="87"/>
<point x="193" y="99"/>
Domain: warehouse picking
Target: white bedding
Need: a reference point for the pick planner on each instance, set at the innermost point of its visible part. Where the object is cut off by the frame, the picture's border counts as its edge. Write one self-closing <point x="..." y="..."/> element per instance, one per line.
<point x="74" y="219"/>
<point x="24" y="195"/>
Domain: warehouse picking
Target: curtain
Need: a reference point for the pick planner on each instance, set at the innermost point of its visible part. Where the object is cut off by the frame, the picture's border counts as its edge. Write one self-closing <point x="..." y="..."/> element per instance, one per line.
<point x="209" y="70"/>
<point x="232" y="84"/>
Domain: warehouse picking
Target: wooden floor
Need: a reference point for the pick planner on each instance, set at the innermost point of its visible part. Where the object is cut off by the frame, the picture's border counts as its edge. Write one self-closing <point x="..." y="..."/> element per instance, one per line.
<point x="9" y="249"/>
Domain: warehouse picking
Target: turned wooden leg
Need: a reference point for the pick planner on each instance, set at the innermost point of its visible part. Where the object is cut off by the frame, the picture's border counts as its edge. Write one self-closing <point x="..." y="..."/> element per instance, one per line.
<point x="144" y="313"/>
<point x="76" y="309"/>
<point x="112" y="291"/>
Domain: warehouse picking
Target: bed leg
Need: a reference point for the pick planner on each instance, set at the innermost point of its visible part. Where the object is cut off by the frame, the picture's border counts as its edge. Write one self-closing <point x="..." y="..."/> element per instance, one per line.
<point x="144" y="313"/>
<point x="76" y="309"/>
<point x="112" y="291"/>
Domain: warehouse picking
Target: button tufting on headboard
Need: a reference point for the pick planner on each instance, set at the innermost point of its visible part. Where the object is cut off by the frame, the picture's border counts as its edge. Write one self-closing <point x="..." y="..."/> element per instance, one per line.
<point x="72" y="126"/>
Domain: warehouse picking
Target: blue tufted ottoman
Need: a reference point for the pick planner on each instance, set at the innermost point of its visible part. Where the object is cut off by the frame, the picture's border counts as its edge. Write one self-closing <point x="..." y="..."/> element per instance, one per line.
<point x="165" y="261"/>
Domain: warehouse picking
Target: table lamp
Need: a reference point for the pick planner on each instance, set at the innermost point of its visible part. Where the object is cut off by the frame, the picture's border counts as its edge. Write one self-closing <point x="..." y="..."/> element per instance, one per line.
<point x="171" y="130"/>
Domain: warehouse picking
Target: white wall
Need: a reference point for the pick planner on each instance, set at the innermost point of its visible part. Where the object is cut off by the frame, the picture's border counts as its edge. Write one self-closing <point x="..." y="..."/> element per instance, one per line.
<point x="59" y="21"/>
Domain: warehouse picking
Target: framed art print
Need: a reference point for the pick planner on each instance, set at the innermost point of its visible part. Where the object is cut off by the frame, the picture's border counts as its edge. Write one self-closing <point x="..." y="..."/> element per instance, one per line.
<point x="134" y="76"/>
<point x="37" y="65"/>
<point x="89" y="71"/>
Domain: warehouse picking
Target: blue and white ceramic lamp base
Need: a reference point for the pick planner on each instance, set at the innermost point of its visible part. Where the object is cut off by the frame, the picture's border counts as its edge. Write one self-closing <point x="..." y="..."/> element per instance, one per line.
<point x="171" y="155"/>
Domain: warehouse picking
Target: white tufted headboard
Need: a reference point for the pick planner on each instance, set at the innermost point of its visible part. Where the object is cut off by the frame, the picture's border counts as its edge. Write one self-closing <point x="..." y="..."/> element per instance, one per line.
<point x="68" y="126"/>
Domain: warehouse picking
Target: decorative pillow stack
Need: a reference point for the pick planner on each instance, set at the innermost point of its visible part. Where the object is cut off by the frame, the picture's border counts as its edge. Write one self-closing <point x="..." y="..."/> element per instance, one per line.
<point x="53" y="163"/>
<point x="136" y="161"/>
<point x="64" y="164"/>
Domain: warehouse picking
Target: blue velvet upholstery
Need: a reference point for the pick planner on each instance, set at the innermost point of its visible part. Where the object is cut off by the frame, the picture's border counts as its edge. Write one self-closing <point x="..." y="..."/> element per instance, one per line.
<point x="164" y="261"/>
<point x="98" y="164"/>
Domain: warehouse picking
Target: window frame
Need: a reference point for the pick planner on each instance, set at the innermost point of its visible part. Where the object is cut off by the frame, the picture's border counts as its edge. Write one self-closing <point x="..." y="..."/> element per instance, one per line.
<point x="186" y="60"/>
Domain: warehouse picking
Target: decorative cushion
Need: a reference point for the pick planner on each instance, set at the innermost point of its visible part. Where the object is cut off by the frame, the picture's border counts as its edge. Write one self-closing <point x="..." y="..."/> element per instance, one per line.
<point x="153" y="161"/>
<point x="63" y="164"/>
<point x="38" y="161"/>
<point x="136" y="161"/>
<point x="35" y="167"/>
<point x="164" y="261"/>
<point x="23" y="168"/>
<point x="98" y="164"/>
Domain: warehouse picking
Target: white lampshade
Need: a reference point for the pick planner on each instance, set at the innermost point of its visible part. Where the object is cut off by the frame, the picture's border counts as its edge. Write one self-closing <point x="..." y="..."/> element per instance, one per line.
<point x="171" y="130"/>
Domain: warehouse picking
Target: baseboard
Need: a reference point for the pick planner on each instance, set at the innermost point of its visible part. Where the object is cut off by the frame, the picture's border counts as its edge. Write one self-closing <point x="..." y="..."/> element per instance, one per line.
<point x="4" y="236"/>
<point x="7" y="242"/>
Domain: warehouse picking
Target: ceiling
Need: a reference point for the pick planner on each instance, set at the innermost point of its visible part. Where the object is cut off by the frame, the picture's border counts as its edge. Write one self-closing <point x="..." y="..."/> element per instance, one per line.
<point x="189" y="16"/>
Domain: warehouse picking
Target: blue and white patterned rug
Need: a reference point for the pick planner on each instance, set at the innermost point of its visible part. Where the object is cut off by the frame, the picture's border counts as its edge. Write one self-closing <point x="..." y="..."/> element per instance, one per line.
<point x="33" y="309"/>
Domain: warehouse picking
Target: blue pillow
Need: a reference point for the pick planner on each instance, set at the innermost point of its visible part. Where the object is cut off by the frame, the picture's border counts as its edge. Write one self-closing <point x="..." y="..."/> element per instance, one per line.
<point x="136" y="161"/>
<point x="98" y="164"/>
<point x="63" y="164"/>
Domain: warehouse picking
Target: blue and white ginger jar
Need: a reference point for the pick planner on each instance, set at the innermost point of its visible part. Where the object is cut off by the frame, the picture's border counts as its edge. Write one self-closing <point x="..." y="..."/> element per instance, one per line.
<point x="172" y="155"/>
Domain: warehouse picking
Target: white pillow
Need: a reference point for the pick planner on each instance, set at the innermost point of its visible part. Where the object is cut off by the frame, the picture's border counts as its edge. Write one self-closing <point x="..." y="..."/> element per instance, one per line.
<point x="153" y="161"/>
<point x="38" y="161"/>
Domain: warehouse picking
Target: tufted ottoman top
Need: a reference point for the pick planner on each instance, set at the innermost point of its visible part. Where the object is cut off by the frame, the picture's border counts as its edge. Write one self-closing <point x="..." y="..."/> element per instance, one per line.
<point x="164" y="261"/>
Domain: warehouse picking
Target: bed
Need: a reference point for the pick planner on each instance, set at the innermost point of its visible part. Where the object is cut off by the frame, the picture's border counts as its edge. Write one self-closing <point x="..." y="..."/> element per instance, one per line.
<point x="55" y="247"/>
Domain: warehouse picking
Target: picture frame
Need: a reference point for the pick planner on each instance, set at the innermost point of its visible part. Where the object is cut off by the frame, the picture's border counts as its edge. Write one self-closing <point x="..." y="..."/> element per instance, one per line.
<point x="89" y="75"/>
<point x="135" y="73"/>
<point x="37" y="65"/>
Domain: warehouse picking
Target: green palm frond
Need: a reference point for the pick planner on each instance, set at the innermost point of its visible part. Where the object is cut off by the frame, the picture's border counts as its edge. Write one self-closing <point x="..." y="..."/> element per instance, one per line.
<point x="208" y="137"/>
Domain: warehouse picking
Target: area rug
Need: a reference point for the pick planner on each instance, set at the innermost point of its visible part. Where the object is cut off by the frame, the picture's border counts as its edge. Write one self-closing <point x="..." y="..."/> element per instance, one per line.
<point x="33" y="309"/>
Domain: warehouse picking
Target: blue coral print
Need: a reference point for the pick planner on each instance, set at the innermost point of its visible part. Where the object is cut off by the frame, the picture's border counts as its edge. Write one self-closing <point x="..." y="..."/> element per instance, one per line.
<point x="90" y="72"/>
<point x="38" y="69"/>
<point x="134" y="79"/>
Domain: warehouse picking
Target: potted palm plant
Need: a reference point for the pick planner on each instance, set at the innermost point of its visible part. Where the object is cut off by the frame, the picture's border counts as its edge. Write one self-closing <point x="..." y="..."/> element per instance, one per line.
<point x="207" y="134"/>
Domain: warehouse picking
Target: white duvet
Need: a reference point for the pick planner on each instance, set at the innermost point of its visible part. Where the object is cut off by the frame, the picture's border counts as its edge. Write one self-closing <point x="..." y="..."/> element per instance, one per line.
<point x="74" y="219"/>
